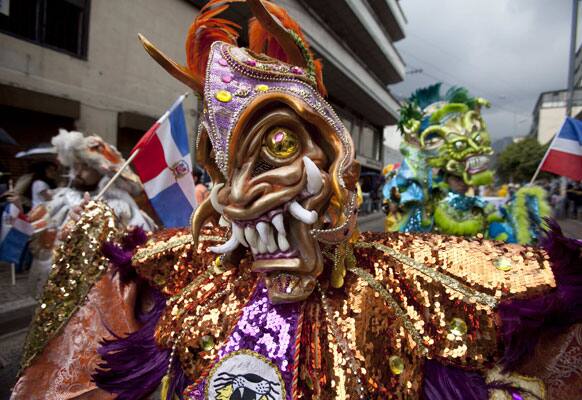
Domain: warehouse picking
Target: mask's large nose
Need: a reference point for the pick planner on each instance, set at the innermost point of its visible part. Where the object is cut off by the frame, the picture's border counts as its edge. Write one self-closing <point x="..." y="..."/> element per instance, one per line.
<point x="242" y="193"/>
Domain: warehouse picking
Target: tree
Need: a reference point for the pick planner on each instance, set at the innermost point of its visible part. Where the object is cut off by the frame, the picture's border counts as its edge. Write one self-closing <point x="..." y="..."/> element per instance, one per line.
<point x="518" y="162"/>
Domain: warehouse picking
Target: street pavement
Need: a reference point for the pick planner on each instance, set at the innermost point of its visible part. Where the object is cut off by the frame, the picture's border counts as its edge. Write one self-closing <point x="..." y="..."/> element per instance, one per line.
<point x="372" y="222"/>
<point x="17" y="305"/>
<point x="16" y="308"/>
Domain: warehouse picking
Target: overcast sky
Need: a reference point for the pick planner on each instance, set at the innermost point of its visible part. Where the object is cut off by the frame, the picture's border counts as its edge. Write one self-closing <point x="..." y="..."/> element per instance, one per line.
<point x="508" y="51"/>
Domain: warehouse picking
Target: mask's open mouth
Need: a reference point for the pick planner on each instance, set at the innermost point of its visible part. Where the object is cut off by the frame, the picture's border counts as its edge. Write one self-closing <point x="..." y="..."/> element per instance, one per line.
<point x="476" y="164"/>
<point x="277" y="241"/>
<point x="279" y="238"/>
<point x="266" y="236"/>
<point x="276" y="250"/>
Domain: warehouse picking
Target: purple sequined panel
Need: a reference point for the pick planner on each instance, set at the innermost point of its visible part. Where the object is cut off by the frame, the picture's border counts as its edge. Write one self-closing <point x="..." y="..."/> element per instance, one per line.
<point x="265" y="329"/>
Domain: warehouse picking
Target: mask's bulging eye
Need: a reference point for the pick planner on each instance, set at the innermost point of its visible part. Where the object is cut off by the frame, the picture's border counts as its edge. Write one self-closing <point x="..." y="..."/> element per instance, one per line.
<point x="282" y="143"/>
<point x="460" y="145"/>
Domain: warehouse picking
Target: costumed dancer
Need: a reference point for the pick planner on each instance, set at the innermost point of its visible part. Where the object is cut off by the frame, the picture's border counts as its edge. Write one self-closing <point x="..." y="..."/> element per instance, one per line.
<point x="73" y="334"/>
<point x="288" y="303"/>
<point x="446" y="146"/>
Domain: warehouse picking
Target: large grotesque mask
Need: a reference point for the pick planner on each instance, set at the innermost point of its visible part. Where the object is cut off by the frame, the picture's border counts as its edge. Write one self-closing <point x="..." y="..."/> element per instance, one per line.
<point x="450" y="132"/>
<point x="281" y="162"/>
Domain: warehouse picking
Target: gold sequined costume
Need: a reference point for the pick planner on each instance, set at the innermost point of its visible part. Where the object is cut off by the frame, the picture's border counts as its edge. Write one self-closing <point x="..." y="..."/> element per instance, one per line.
<point x="407" y="300"/>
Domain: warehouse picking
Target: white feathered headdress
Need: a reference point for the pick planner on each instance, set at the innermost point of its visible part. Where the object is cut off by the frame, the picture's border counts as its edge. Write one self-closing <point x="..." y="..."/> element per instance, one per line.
<point x="73" y="148"/>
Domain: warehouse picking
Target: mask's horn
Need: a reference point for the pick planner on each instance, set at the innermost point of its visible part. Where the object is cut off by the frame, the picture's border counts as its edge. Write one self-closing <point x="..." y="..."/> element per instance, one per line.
<point x="274" y="27"/>
<point x="178" y="71"/>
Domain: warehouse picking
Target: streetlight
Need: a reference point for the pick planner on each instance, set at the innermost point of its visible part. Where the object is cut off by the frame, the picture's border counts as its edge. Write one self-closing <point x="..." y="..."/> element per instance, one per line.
<point x="573" y="40"/>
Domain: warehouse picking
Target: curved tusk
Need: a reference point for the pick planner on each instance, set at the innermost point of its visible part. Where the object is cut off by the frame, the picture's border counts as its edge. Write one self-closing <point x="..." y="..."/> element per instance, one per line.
<point x="239" y="234"/>
<point x="303" y="215"/>
<point x="314" y="179"/>
<point x="230" y="245"/>
<point x="204" y="212"/>
<point x="214" y="198"/>
<point x="224" y="222"/>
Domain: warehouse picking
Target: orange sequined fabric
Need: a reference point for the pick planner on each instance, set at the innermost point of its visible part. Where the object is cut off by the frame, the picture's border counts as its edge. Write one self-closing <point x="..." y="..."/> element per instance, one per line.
<point x="404" y="298"/>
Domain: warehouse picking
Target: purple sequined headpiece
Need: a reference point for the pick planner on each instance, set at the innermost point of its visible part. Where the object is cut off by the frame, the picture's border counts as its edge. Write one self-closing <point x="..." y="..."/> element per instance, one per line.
<point x="236" y="76"/>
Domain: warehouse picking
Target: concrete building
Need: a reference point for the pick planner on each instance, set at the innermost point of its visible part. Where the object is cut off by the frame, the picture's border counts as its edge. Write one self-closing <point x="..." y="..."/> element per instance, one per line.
<point x="550" y="111"/>
<point x="355" y="40"/>
<point x="392" y="141"/>
<point x="78" y="64"/>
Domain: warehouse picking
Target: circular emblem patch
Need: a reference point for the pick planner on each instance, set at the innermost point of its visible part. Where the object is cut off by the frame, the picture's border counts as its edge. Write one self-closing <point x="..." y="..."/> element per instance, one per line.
<point x="245" y="375"/>
<point x="180" y="169"/>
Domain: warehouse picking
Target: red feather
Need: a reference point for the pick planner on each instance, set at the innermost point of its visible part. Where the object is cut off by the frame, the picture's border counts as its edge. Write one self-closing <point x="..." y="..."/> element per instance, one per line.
<point x="261" y="41"/>
<point x="205" y="30"/>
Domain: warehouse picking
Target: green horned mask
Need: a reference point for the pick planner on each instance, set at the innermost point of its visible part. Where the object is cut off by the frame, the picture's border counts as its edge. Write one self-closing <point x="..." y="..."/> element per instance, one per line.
<point x="450" y="132"/>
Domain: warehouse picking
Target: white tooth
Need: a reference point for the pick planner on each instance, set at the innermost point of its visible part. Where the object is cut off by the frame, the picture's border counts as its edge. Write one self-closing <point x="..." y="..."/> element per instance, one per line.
<point x="223" y="222"/>
<point x="230" y="245"/>
<point x="300" y="213"/>
<point x="263" y="229"/>
<point x="314" y="179"/>
<point x="279" y="224"/>
<point x="239" y="234"/>
<point x="261" y="247"/>
<point x="283" y="243"/>
<point x="271" y="243"/>
<point x="251" y="236"/>
<point x="214" y="198"/>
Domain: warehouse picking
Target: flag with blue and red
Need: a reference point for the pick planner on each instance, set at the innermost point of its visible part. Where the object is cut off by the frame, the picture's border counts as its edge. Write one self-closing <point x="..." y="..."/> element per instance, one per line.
<point x="15" y="233"/>
<point x="165" y="167"/>
<point x="564" y="157"/>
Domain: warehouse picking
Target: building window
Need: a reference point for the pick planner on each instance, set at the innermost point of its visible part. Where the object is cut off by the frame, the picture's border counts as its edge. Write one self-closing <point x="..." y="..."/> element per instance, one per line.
<point x="59" y="24"/>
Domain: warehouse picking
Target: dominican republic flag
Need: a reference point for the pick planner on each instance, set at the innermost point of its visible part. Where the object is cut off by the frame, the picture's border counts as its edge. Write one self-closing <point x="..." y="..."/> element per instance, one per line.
<point x="564" y="157"/>
<point x="164" y="166"/>
<point x="15" y="233"/>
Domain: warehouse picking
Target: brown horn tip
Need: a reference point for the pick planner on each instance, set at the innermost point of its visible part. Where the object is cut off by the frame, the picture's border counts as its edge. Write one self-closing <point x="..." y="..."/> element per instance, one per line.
<point x="275" y="28"/>
<point x="178" y="71"/>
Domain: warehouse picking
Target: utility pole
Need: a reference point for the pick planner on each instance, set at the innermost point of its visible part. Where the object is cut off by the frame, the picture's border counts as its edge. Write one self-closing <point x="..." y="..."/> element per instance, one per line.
<point x="573" y="40"/>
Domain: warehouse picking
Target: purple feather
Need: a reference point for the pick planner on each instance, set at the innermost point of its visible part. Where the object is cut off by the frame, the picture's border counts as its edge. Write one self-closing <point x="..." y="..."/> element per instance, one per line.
<point x="120" y="256"/>
<point x="443" y="382"/>
<point x="448" y="383"/>
<point x="133" y="366"/>
<point x="524" y="321"/>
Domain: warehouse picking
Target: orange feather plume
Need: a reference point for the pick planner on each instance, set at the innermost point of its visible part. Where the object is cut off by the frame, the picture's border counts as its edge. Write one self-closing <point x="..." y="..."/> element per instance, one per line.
<point x="261" y="41"/>
<point x="205" y="30"/>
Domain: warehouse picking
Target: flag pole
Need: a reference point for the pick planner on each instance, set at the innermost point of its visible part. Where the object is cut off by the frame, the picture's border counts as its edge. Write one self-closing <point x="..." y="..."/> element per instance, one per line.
<point x="135" y="153"/>
<point x="12" y="265"/>
<point x="535" y="175"/>
<point x="117" y="174"/>
<point x="572" y="61"/>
